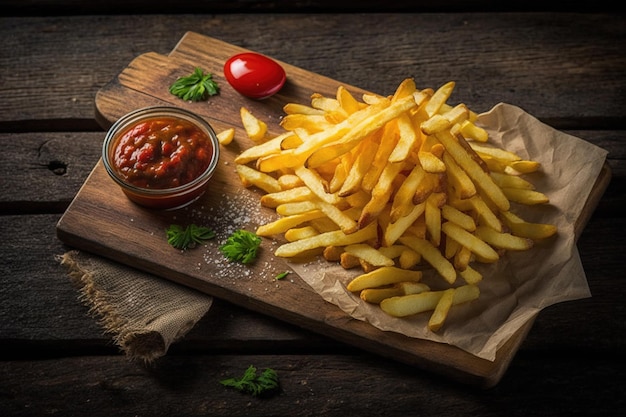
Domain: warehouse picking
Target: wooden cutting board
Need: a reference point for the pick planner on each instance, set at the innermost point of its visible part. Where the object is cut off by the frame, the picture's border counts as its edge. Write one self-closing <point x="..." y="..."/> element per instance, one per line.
<point x="101" y="219"/>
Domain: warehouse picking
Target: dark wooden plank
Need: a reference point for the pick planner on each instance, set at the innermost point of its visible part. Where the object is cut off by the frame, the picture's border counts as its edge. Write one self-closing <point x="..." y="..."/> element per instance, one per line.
<point x="490" y="56"/>
<point x="73" y="7"/>
<point x="566" y="384"/>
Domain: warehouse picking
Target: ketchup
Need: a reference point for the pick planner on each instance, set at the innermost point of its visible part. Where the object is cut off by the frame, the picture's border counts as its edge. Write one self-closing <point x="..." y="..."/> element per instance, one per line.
<point x="161" y="153"/>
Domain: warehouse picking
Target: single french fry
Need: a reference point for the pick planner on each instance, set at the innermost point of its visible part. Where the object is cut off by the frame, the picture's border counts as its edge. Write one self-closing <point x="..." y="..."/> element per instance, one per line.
<point x="296" y="108"/>
<point x="503" y="240"/>
<point x="296" y="207"/>
<point x="332" y="253"/>
<point x="289" y="181"/>
<point x="349" y="261"/>
<point x="462" y="258"/>
<point x="458" y="178"/>
<point x="408" y="305"/>
<point x="522" y="228"/>
<point x="312" y="123"/>
<point x="393" y="251"/>
<point x="273" y="200"/>
<point x="441" y="310"/>
<point x="409" y="259"/>
<point x="511" y="181"/>
<point x="498" y="153"/>
<point x="347" y="101"/>
<point x="470" y="241"/>
<point x="316" y="184"/>
<point x="376" y="295"/>
<point x="383" y="276"/>
<point x="294" y="234"/>
<point x="403" y="199"/>
<point x="409" y="138"/>
<point x="525" y="196"/>
<point x="470" y="275"/>
<point x="485" y="215"/>
<point x="524" y="166"/>
<point x="439" y="98"/>
<point x="470" y="131"/>
<point x="334" y="238"/>
<point x="259" y="179"/>
<point x="432" y="215"/>
<point x="395" y="230"/>
<point x="369" y="254"/>
<point x="254" y="127"/>
<point x="380" y="194"/>
<point x="272" y="146"/>
<point x="283" y="224"/>
<point x="432" y="255"/>
<point x="454" y="215"/>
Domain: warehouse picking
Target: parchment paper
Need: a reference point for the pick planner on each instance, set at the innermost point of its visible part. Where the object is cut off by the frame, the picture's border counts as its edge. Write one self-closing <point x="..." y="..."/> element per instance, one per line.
<point x="520" y="284"/>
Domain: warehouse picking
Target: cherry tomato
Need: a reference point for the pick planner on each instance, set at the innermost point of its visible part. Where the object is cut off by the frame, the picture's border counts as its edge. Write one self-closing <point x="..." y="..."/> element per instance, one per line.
<point x="254" y="75"/>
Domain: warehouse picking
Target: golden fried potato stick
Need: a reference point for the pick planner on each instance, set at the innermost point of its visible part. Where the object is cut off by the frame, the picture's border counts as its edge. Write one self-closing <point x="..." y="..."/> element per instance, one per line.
<point x="525" y="196"/>
<point x="347" y="101"/>
<point x="225" y="137"/>
<point x="457" y="216"/>
<point x="396" y="229"/>
<point x="376" y="295"/>
<point x="511" y="181"/>
<point x="283" y="224"/>
<point x="470" y="241"/>
<point x="432" y="255"/>
<point x="274" y="200"/>
<point x="470" y="275"/>
<point x="403" y="199"/>
<point x="383" y="276"/>
<point x="254" y="127"/>
<point x="250" y="176"/>
<point x="522" y="228"/>
<point x="296" y="108"/>
<point x="408" y="305"/>
<point x="441" y="310"/>
<point x="334" y="238"/>
<point x="380" y="194"/>
<point x="439" y="98"/>
<point x="312" y="123"/>
<point x="470" y="131"/>
<point x="369" y="254"/>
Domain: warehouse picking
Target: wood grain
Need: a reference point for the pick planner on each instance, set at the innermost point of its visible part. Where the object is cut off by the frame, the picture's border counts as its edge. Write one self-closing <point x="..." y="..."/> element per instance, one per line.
<point x="102" y="220"/>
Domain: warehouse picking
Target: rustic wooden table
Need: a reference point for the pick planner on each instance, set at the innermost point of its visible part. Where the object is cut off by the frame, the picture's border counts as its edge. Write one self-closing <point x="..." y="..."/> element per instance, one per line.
<point x="568" y="69"/>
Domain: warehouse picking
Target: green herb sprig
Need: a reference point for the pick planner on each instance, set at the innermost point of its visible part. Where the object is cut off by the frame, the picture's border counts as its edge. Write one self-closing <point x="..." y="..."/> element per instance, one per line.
<point x="251" y="383"/>
<point x="282" y="275"/>
<point x="241" y="246"/>
<point x="187" y="237"/>
<point x="195" y="87"/>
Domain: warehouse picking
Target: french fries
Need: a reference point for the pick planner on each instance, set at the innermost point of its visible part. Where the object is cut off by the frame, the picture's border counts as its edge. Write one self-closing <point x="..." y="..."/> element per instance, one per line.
<point x="396" y="186"/>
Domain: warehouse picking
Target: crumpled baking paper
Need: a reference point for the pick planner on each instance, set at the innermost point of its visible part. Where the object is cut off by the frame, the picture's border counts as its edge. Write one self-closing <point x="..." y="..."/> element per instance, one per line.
<point x="517" y="287"/>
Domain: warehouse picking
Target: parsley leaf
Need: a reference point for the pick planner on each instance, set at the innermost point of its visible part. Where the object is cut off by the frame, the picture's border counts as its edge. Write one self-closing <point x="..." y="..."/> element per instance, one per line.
<point x="251" y="383"/>
<point x="195" y="87"/>
<point x="183" y="238"/>
<point x="241" y="246"/>
<point x="282" y="275"/>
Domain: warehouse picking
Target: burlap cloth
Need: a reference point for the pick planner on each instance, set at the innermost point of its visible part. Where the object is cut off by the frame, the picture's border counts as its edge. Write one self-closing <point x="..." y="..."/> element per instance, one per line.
<point x="144" y="314"/>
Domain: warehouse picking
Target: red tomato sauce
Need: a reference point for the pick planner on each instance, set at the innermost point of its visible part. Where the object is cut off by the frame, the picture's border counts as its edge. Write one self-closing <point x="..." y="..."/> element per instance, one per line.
<point x="162" y="153"/>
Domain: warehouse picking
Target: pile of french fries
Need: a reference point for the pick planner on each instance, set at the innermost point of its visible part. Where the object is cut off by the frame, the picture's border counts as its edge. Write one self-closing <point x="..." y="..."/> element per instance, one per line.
<point x="394" y="186"/>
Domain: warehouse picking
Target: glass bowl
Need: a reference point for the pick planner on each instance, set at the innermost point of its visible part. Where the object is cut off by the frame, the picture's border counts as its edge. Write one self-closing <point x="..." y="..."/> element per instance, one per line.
<point x="161" y="157"/>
